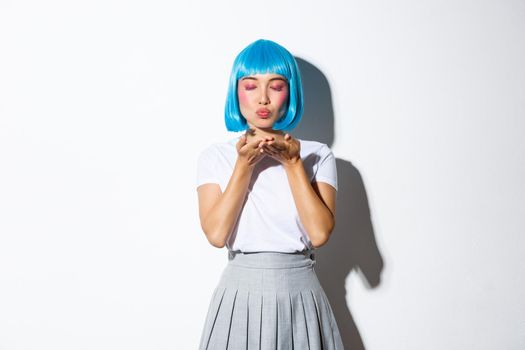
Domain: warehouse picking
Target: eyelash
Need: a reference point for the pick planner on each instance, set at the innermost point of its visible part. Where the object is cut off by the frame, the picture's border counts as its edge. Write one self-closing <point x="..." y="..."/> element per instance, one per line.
<point x="274" y="88"/>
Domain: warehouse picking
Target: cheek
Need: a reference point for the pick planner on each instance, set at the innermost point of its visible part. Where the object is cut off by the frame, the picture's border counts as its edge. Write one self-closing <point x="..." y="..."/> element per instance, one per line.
<point x="243" y="98"/>
<point x="281" y="99"/>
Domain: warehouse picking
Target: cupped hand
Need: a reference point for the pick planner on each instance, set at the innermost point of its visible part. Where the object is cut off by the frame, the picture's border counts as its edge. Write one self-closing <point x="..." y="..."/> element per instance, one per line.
<point x="250" y="150"/>
<point x="286" y="150"/>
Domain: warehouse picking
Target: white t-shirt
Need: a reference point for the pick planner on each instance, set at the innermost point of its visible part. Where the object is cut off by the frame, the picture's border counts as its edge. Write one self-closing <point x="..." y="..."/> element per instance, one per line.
<point x="269" y="220"/>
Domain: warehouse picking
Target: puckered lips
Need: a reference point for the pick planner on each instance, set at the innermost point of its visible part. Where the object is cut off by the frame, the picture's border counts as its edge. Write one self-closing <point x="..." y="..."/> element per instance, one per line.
<point x="263" y="112"/>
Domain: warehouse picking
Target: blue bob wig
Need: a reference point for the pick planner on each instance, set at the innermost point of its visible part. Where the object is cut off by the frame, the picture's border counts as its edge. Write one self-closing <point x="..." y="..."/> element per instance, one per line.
<point x="260" y="57"/>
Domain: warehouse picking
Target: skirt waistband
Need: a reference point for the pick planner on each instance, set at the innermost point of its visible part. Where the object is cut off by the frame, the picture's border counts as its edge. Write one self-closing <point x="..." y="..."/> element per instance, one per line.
<point x="272" y="260"/>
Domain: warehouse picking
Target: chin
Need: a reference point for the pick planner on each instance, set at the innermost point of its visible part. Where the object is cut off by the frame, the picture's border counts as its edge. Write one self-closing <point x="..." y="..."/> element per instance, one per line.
<point x="265" y="126"/>
<point x="266" y="123"/>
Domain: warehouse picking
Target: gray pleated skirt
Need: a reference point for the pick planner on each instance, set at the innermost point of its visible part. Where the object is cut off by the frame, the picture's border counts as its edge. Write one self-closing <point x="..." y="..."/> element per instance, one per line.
<point x="270" y="300"/>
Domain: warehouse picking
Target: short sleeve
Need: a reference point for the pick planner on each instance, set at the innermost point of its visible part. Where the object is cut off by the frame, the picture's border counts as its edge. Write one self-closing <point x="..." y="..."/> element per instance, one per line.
<point x="207" y="167"/>
<point x="327" y="169"/>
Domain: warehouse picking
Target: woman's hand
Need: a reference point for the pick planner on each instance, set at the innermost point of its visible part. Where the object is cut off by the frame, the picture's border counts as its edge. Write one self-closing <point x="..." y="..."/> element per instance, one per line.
<point x="286" y="150"/>
<point x="250" y="151"/>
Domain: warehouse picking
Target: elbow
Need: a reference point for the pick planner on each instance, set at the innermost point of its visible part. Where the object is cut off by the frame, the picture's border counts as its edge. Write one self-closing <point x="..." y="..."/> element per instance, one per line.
<point x="213" y="234"/>
<point x="217" y="243"/>
<point x="319" y="241"/>
<point x="322" y="236"/>
<point x="215" y="238"/>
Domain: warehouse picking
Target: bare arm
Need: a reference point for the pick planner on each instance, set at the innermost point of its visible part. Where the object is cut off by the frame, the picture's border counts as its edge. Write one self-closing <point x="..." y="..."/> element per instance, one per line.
<point x="218" y="211"/>
<point x="315" y="202"/>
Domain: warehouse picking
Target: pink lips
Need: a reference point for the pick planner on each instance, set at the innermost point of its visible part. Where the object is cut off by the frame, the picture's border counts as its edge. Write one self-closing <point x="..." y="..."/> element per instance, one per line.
<point x="263" y="112"/>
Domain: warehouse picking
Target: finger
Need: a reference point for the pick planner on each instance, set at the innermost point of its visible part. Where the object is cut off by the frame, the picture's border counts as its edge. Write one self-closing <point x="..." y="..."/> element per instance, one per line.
<point x="270" y="149"/>
<point x="255" y="144"/>
<point x="278" y="146"/>
<point x="274" y="148"/>
<point x="268" y="152"/>
<point x="241" y="142"/>
<point x="265" y="149"/>
<point x="271" y="142"/>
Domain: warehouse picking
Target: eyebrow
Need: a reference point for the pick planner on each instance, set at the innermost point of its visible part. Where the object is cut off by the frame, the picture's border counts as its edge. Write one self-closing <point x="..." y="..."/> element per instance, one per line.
<point x="253" y="78"/>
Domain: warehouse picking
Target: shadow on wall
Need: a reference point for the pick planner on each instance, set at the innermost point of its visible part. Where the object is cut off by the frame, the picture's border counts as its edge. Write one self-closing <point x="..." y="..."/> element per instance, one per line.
<point x="352" y="246"/>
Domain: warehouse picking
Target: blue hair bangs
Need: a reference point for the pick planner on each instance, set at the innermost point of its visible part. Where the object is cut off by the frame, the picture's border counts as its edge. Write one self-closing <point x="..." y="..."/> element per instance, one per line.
<point x="260" y="62"/>
<point x="260" y="57"/>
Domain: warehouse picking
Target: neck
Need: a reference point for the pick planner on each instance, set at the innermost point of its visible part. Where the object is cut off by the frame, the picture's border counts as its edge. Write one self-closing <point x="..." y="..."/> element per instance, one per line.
<point x="264" y="132"/>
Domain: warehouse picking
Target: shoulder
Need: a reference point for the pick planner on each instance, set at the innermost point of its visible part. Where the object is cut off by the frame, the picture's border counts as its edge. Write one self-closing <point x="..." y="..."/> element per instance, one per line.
<point x="224" y="148"/>
<point x="311" y="147"/>
<point x="209" y="151"/>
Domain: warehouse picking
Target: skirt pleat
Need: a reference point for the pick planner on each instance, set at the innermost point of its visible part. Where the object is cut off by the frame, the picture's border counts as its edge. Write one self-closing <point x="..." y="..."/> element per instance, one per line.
<point x="270" y="301"/>
<point x="254" y="320"/>
<point x="239" y="322"/>
<point x="284" y="321"/>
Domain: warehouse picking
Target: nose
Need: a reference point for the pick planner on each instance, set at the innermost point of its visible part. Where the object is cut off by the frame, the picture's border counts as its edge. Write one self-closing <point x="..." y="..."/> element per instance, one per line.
<point x="264" y="100"/>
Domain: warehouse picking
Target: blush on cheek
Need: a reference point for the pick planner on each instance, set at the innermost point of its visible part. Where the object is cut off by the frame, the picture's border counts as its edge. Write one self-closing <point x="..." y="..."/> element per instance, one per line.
<point x="242" y="96"/>
<point x="281" y="99"/>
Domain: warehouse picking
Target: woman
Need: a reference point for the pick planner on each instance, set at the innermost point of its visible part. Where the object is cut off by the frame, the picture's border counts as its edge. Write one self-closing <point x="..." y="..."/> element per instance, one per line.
<point x="270" y="198"/>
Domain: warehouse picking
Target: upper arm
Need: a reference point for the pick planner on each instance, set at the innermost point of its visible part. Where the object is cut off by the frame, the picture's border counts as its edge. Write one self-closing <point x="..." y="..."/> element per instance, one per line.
<point x="208" y="188"/>
<point x="209" y="194"/>
<point x="327" y="193"/>
<point x="326" y="171"/>
<point x="325" y="179"/>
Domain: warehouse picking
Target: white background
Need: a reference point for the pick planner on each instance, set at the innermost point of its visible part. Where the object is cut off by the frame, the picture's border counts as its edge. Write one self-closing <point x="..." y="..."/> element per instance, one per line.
<point x="105" y="105"/>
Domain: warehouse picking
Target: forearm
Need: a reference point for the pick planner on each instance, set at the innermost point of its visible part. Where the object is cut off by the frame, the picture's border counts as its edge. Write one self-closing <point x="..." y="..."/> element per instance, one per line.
<point x="315" y="216"/>
<point x="221" y="219"/>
